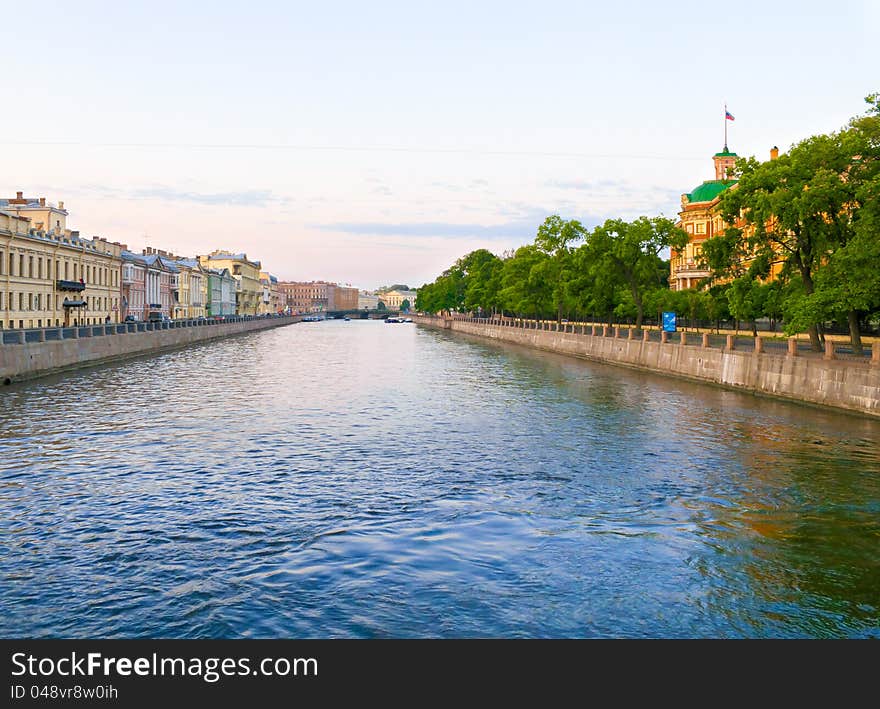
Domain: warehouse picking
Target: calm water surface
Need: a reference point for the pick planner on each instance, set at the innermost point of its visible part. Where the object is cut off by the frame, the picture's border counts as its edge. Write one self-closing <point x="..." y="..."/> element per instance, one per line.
<point x="366" y="480"/>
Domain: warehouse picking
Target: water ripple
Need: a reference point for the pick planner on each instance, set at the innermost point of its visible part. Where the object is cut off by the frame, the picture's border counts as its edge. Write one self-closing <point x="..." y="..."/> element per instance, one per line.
<point x="360" y="480"/>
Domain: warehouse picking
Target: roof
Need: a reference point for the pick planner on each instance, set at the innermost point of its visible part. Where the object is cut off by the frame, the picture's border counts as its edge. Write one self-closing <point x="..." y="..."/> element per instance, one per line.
<point x="220" y="272"/>
<point x="726" y="154"/>
<point x="227" y="256"/>
<point x="29" y="203"/>
<point x="12" y="215"/>
<point x="129" y="256"/>
<point x="709" y="190"/>
<point x="150" y="259"/>
<point x="188" y="262"/>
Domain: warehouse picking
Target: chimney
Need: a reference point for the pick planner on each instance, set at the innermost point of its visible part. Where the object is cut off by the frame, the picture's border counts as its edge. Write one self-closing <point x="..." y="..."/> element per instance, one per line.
<point x="774" y="152"/>
<point x="61" y="205"/>
<point x="19" y="195"/>
<point x="42" y="201"/>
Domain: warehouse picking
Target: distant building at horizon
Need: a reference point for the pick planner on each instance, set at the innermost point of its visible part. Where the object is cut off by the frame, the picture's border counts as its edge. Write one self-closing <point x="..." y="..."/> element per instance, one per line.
<point x="393" y="299"/>
<point x="318" y="296"/>
<point x="367" y="300"/>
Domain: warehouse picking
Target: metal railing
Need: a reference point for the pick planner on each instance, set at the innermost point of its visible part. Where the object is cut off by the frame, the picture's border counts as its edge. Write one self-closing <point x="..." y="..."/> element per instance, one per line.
<point x="787" y="347"/>
<point x="53" y="334"/>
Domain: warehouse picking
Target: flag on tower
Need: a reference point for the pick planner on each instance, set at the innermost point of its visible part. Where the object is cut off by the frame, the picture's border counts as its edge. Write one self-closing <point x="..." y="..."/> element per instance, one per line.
<point x="728" y="115"/>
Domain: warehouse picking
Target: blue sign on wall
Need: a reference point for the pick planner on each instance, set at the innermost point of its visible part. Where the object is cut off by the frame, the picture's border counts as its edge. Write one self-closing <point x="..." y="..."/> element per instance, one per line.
<point x="668" y="322"/>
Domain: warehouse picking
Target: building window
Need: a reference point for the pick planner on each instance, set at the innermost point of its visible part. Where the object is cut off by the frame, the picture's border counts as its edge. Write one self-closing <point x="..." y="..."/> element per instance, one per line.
<point x="701" y="228"/>
<point x="21" y="265"/>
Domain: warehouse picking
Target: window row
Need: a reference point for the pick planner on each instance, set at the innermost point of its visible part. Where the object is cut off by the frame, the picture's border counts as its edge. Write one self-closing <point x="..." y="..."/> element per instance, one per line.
<point x="25" y="266"/>
<point x="43" y="301"/>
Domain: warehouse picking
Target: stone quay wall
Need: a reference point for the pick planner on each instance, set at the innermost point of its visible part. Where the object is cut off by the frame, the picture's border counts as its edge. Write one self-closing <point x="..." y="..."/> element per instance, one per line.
<point x="823" y="379"/>
<point x="27" y="354"/>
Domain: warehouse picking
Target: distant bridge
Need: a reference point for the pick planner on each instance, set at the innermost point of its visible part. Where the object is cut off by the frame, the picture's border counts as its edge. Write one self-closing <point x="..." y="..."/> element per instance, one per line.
<point x="362" y="314"/>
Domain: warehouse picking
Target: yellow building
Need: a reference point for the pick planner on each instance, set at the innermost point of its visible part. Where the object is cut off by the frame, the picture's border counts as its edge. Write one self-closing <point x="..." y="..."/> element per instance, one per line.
<point x="273" y="300"/>
<point x="700" y="217"/>
<point x="52" y="276"/>
<point x="249" y="290"/>
<point x="192" y="289"/>
<point x="393" y="299"/>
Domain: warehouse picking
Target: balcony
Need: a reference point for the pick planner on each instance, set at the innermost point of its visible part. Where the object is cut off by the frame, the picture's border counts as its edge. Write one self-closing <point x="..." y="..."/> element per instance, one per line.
<point x="690" y="269"/>
<point x="70" y="286"/>
<point x="74" y="303"/>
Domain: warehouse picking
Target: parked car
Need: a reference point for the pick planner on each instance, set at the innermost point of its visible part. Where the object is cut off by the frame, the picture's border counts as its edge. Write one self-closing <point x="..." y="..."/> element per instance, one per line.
<point x="129" y="318"/>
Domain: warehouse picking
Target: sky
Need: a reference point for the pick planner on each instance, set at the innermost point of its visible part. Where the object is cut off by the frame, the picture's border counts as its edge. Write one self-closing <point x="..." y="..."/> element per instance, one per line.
<point x="376" y="143"/>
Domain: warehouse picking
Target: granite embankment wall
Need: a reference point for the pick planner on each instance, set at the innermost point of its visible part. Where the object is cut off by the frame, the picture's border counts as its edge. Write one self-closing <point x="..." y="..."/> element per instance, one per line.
<point x="842" y="384"/>
<point x="26" y="354"/>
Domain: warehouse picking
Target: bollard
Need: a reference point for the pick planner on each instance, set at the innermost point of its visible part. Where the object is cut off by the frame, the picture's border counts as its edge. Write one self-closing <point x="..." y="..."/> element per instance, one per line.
<point x="664" y="337"/>
<point x="829" y="349"/>
<point x="759" y="345"/>
<point x="875" y="354"/>
<point x="792" y="347"/>
<point x="604" y="331"/>
<point x="730" y="343"/>
<point x="645" y="335"/>
<point x="629" y="334"/>
<point x="42" y="336"/>
<point x="616" y="333"/>
<point x="76" y="331"/>
<point x="593" y="331"/>
<point x="705" y="339"/>
<point x="684" y="337"/>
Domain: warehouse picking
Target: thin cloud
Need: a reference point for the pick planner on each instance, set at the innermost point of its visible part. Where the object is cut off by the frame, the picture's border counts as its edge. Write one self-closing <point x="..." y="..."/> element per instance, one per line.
<point x="519" y="229"/>
<point x="163" y="193"/>
<point x="246" y="198"/>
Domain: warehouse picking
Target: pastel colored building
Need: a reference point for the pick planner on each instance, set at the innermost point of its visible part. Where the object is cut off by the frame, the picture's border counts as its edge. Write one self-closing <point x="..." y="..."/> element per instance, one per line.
<point x="192" y="288"/>
<point x="367" y="301"/>
<point x="50" y="275"/>
<point x="161" y="282"/>
<point x="700" y="217"/>
<point x="221" y="292"/>
<point x="249" y="290"/>
<point x="134" y="286"/>
<point x="393" y="299"/>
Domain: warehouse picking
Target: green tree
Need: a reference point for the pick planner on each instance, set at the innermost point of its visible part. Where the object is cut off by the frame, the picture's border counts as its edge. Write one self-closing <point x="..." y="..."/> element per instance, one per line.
<point x="800" y="210"/>
<point x="631" y="251"/>
<point x="482" y="270"/>
<point x="554" y="238"/>
<point x="746" y="298"/>
<point x="524" y="288"/>
<point x="404" y="306"/>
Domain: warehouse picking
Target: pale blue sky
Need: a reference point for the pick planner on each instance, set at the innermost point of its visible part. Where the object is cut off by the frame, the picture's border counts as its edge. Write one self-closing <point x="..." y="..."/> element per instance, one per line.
<point x="372" y="143"/>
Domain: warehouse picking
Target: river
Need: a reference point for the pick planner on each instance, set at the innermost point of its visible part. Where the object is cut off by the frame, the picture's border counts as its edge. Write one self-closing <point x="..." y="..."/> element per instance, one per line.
<point x="360" y="479"/>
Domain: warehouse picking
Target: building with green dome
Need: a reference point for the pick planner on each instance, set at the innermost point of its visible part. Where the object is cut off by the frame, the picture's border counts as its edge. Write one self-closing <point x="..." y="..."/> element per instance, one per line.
<point x="699" y="217"/>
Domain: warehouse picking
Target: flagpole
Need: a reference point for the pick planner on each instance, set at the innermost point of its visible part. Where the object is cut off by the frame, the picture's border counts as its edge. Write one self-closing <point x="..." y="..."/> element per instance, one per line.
<point x="725" y="127"/>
